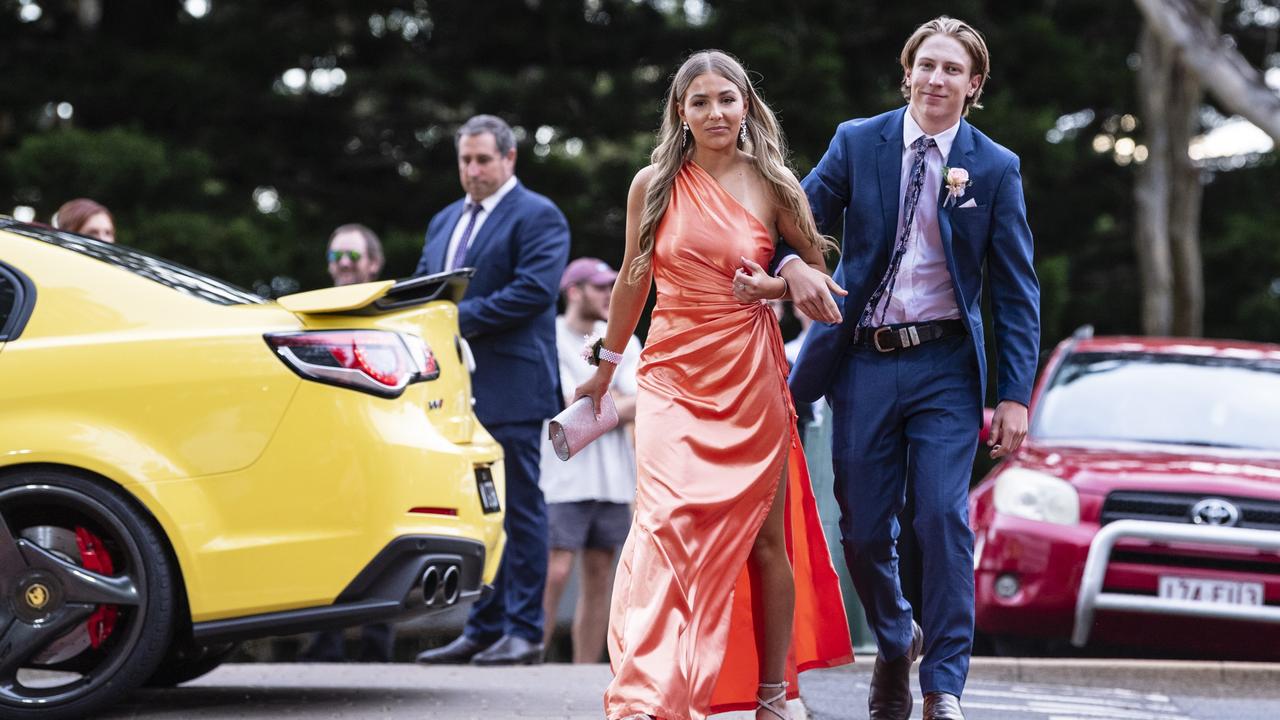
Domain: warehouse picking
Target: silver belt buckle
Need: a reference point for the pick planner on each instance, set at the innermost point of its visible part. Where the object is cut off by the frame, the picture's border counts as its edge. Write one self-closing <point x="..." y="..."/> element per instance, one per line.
<point x="875" y="340"/>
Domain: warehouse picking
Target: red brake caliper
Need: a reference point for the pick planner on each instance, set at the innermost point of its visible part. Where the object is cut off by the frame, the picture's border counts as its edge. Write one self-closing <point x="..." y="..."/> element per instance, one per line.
<point x="95" y="558"/>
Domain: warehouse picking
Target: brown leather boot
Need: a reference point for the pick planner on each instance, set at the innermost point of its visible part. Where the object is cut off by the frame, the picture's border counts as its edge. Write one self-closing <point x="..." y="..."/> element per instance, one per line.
<point x="890" y="695"/>
<point x="942" y="706"/>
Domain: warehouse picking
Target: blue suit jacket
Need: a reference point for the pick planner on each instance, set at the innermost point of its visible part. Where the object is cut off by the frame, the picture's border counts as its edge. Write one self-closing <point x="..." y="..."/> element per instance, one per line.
<point x="858" y="182"/>
<point x="508" y="312"/>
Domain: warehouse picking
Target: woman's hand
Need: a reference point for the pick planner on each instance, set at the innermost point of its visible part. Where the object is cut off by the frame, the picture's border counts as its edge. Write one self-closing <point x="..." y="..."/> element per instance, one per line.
<point x="752" y="284"/>
<point x="596" y="386"/>
<point x="811" y="291"/>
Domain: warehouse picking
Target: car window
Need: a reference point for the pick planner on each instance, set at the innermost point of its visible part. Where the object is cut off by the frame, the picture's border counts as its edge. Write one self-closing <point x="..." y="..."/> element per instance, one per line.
<point x="169" y="274"/>
<point x="8" y="297"/>
<point x="17" y="297"/>
<point x="1163" y="398"/>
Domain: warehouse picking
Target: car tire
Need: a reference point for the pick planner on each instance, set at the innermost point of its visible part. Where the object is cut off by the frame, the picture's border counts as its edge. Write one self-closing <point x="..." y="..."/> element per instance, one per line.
<point x="78" y="558"/>
<point x="187" y="662"/>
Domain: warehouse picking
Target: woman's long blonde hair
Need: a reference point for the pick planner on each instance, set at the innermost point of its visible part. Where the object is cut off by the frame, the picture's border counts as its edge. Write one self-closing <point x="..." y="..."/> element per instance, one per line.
<point x="764" y="138"/>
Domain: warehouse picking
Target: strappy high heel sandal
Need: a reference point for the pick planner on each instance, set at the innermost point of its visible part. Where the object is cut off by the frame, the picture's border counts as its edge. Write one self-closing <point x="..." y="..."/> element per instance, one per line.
<point x="767" y="703"/>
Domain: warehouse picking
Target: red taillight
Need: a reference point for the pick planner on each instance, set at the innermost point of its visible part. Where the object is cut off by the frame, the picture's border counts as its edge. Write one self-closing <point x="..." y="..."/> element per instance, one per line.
<point x="450" y="512"/>
<point x="374" y="361"/>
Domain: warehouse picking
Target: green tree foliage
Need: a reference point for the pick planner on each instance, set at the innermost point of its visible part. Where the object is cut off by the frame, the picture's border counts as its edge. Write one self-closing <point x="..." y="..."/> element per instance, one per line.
<point x="345" y="109"/>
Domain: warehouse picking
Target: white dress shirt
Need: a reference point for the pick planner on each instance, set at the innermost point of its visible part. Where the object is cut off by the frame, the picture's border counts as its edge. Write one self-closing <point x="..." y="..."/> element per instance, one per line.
<point x="605" y="470"/>
<point x="923" y="289"/>
<point x="487" y="205"/>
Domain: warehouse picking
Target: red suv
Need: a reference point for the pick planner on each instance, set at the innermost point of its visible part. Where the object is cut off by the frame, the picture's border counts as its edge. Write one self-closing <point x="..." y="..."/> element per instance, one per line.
<point x="1143" y="511"/>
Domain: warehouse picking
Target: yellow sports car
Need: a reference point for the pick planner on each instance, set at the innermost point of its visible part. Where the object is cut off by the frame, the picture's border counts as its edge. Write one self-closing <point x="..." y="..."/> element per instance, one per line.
<point x="184" y="464"/>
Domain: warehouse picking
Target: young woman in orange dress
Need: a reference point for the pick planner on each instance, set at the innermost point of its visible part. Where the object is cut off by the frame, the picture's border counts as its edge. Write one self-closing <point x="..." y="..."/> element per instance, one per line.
<point x="725" y="588"/>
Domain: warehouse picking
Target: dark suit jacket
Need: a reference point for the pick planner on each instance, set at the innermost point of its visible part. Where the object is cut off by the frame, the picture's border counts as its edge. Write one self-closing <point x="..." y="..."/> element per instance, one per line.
<point x="858" y="182"/>
<point x="508" y="312"/>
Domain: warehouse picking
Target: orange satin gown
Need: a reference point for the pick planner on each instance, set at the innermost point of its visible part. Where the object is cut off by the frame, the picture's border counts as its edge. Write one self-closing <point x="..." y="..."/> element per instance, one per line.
<point x="714" y="428"/>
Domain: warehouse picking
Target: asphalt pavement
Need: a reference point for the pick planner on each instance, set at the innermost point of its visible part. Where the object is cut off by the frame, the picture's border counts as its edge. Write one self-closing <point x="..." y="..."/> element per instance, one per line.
<point x="998" y="690"/>
<point x="400" y="690"/>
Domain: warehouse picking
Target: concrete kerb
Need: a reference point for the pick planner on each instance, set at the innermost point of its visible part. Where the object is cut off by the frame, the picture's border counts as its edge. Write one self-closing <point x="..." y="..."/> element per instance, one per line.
<point x="1157" y="675"/>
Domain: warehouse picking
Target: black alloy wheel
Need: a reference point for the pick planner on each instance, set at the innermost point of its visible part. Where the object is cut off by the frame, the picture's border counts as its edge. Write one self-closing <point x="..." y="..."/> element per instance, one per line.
<point x="86" y="595"/>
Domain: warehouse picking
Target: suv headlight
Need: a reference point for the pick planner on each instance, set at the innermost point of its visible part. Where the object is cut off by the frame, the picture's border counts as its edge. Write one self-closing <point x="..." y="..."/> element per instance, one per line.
<point x="1037" y="496"/>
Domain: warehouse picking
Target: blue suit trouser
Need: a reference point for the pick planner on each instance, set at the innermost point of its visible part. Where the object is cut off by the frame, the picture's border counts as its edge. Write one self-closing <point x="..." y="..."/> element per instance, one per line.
<point x="515" y="607"/>
<point x="910" y="415"/>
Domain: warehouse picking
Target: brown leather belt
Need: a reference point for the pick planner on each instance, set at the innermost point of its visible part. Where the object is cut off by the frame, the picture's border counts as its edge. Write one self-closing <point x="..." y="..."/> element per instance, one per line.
<point x="907" y="335"/>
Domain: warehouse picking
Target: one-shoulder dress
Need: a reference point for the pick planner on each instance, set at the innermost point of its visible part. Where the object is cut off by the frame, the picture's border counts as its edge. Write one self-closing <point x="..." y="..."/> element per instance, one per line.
<point x="715" y="428"/>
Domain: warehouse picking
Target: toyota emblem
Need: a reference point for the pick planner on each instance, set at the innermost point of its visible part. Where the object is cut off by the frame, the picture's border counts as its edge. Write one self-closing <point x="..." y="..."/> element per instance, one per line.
<point x="1215" y="511"/>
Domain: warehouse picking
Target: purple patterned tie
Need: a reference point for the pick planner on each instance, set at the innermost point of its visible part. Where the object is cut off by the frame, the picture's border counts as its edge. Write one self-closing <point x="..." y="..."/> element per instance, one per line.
<point x="914" y="183"/>
<point x="464" y="242"/>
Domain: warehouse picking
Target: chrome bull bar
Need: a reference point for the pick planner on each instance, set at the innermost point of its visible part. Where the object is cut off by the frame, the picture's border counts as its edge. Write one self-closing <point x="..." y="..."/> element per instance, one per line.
<point x="1091" y="598"/>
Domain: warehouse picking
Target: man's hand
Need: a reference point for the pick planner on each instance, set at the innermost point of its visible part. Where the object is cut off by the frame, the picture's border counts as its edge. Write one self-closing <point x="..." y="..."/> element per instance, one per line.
<point x="811" y="290"/>
<point x="752" y="284"/>
<point x="1008" y="428"/>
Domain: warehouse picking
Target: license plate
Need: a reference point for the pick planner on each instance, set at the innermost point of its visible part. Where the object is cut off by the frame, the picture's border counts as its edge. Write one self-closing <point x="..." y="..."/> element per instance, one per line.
<point x="488" y="493"/>
<point x="1210" y="591"/>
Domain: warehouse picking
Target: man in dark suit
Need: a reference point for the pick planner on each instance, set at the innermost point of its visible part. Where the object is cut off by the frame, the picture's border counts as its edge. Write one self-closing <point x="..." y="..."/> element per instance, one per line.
<point x="518" y="243"/>
<point x="926" y="201"/>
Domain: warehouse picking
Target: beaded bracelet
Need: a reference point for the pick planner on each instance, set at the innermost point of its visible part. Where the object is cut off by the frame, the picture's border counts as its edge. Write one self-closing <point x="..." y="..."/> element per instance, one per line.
<point x="594" y="351"/>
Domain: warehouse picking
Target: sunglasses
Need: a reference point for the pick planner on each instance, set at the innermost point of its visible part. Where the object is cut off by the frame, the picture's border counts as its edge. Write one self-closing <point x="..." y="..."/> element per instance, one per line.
<point x="352" y="255"/>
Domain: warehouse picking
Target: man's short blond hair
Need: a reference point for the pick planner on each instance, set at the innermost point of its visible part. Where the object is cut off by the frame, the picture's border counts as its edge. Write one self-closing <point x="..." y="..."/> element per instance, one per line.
<point x="967" y="36"/>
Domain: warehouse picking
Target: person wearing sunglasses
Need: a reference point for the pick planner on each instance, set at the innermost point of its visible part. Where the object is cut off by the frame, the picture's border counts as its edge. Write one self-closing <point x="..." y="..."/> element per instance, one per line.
<point x="355" y="255"/>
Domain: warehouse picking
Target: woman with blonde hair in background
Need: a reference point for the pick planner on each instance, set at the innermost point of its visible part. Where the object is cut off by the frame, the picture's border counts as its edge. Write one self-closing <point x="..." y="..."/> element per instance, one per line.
<point x="86" y="217"/>
<point x="725" y="588"/>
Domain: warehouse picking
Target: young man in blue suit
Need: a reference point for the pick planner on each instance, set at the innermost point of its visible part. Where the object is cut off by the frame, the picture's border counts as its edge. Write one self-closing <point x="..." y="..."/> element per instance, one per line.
<point x="518" y="243"/>
<point x="926" y="201"/>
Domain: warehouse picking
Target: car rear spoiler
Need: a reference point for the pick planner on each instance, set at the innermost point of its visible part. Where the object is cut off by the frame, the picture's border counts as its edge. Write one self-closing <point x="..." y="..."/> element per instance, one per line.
<point x="379" y="297"/>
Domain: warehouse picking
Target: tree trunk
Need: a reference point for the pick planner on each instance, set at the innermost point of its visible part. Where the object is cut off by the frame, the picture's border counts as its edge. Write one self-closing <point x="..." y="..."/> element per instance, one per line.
<point x="1152" y="188"/>
<point x="1184" y="207"/>
<point x="1186" y="94"/>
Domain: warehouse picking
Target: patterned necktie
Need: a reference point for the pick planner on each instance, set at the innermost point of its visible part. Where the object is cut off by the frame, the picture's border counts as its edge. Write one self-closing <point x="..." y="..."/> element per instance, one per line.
<point x="914" y="184"/>
<point x="464" y="242"/>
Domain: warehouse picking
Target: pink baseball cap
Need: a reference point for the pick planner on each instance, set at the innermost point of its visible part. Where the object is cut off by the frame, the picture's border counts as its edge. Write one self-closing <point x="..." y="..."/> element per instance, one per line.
<point x="587" y="270"/>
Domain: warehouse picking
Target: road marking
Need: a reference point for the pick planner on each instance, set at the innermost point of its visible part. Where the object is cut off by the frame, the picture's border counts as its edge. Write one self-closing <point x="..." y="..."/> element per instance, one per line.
<point x="1065" y="702"/>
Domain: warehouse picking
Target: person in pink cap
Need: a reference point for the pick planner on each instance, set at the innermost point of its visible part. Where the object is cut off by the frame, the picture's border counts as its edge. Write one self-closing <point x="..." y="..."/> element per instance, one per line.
<point x="589" y="497"/>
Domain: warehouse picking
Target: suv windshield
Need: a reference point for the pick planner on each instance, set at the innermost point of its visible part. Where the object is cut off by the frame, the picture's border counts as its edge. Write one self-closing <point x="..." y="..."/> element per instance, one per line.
<point x="1163" y="398"/>
<point x="170" y="274"/>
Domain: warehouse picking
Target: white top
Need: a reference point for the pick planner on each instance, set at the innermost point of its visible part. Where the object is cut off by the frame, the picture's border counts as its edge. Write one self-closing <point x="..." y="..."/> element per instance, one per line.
<point x="487" y="205"/>
<point x="606" y="469"/>
<point x="923" y="289"/>
<point x="792" y="351"/>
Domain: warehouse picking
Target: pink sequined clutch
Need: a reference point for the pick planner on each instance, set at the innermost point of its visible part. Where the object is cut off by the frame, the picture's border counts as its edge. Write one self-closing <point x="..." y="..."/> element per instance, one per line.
<point x="576" y="426"/>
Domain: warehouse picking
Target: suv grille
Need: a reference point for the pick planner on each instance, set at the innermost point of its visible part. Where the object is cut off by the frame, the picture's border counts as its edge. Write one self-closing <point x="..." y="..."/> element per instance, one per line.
<point x="1172" y="507"/>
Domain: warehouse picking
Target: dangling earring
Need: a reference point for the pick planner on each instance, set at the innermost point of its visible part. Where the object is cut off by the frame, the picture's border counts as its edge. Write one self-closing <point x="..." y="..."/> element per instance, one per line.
<point x="684" y="134"/>
<point x="742" y="131"/>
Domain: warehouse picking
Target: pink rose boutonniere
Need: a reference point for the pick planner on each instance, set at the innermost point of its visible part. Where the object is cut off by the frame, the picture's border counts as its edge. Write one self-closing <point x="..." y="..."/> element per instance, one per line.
<point x="957" y="180"/>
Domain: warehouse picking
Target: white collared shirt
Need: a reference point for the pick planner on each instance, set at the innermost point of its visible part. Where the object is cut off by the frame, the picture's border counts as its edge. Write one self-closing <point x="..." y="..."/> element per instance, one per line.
<point x="923" y="290"/>
<point x="487" y="205"/>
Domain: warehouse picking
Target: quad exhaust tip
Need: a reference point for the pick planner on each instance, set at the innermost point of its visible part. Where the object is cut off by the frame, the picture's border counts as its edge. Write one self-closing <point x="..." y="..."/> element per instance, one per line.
<point x="441" y="584"/>
<point x="451" y="585"/>
<point x="430" y="585"/>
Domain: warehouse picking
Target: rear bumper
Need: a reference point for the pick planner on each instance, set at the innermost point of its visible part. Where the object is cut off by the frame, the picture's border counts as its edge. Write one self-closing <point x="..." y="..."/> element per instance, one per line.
<point x="388" y="589"/>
